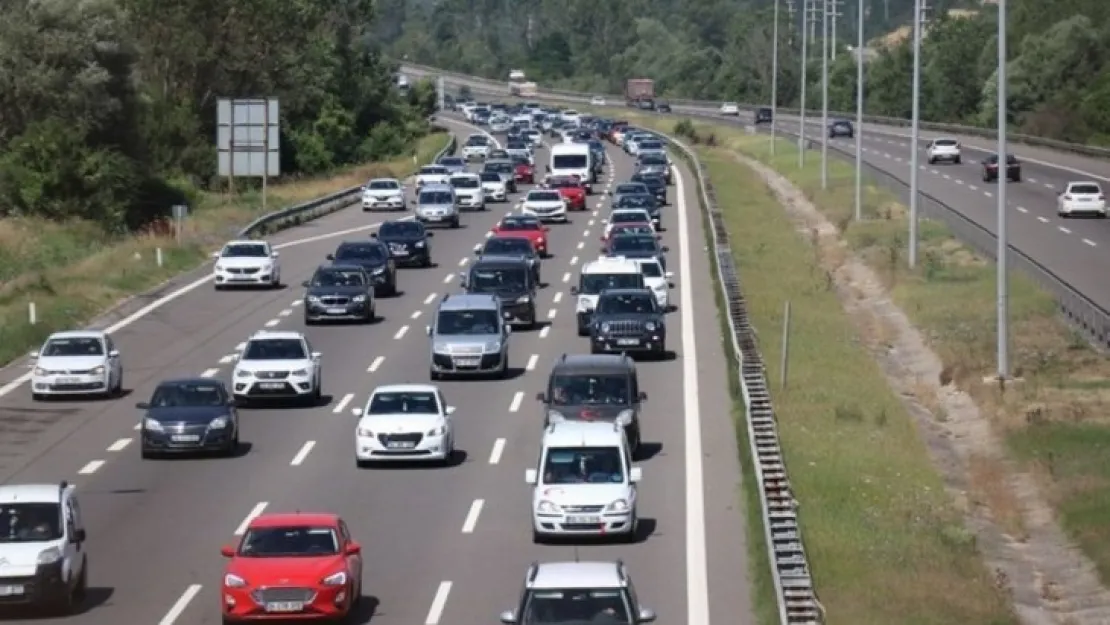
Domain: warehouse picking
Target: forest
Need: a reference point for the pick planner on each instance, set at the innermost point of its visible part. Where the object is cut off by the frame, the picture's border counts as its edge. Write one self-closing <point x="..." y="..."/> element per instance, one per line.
<point x="1058" y="65"/>
<point x="108" y="107"/>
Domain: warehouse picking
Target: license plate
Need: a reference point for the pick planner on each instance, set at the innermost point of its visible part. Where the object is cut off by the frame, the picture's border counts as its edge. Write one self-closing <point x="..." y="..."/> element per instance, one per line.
<point x="628" y="341"/>
<point x="400" y="252"/>
<point x="285" y="606"/>
<point x="8" y="591"/>
<point x="185" y="438"/>
<point x="337" y="311"/>
<point x="272" y="385"/>
<point x="467" y="362"/>
<point x="69" y="380"/>
<point x="401" y="445"/>
<point x="434" y="217"/>
<point x="583" y="520"/>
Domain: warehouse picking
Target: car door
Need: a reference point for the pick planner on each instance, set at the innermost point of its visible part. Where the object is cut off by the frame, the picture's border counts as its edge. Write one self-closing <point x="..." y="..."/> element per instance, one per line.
<point x="72" y="549"/>
<point x="443" y="409"/>
<point x="354" y="561"/>
<point x="115" y="364"/>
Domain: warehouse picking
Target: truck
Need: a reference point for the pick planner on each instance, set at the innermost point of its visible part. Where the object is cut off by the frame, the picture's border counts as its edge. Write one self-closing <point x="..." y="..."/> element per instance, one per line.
<point x="523" y="89"/>
<point x="639" y="89"/>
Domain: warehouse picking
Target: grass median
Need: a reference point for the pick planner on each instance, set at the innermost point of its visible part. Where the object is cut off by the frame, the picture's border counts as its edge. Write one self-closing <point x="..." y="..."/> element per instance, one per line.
<point x="74" y="271"/>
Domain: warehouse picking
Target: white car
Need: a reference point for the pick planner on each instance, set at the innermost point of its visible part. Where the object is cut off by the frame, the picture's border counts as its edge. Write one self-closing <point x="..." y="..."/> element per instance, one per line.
<point x="533" y="137"/>
<point x="545" y="205"/>
<point x="468" y="191"/>
<point x="246" y="263"/>
<point x="494" y="186"/>
<point x="405" y="422"/>
<point x="521" y="150"/>
<point x="277" y="365"/>
<point x="476" y="146"/>
<point x="1082" y="198"/>
<point x="657" y="280"/>
<point x="432" y="174"/>
<point x="571" y="116"/>
<point x="730" y="108"/>
<point x="584" y="483"/>
<point x="383" y="194"/>
<point x="45" y="551"/>
<point x="946" y="150"/>
<point x="597" y="101"/>
<point x="83" y="362"/>
<point x="500" y="124"/>
<point x="626" y="216"/>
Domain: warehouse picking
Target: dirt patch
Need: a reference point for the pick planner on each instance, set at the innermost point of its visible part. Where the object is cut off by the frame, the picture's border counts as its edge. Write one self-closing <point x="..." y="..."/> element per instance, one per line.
<point x="1048" y="580"/>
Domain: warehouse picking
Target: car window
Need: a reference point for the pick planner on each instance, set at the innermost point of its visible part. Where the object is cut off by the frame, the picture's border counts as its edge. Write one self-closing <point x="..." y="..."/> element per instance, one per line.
<point x="583" y="465"/>
<point x="73" y="346"/>
<point x="274" y="349"/>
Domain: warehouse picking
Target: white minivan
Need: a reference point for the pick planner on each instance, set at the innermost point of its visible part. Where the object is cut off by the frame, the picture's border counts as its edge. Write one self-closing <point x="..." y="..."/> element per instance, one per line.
<point x="573" y="159"/>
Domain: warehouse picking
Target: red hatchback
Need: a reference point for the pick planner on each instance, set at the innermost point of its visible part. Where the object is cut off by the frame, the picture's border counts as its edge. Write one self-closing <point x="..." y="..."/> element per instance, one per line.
<point x="524" y="173"/>
<point x="292" y="567"/>
<point x="525" y="226"/>
<point x="570" y="187"/>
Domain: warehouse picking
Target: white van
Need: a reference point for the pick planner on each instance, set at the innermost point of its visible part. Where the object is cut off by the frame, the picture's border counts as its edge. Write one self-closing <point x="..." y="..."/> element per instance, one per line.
<point x="603" y="273"/>
<point x="573" y="159"/>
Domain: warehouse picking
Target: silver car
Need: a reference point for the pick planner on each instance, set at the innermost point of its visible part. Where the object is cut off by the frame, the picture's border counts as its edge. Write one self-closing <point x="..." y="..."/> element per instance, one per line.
<point x="454" y="164"/>
<point x="469" y="337"/>
<point x="437" y="204"/>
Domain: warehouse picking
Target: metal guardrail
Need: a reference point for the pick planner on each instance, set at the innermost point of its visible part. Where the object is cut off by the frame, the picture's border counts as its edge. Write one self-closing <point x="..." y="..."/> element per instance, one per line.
<point x="316" y="208"/>
<point x="709" y="108"/>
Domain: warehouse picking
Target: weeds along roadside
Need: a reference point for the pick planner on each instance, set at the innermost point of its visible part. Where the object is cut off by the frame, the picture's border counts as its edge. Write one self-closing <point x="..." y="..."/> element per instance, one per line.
<point x="74" y="271"/>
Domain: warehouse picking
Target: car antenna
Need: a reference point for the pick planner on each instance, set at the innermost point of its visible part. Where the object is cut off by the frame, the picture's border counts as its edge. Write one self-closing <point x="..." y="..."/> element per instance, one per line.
<point x="576" y="554"/>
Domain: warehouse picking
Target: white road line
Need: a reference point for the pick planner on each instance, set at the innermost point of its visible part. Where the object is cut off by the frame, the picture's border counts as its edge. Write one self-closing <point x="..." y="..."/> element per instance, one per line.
<point x="1090" y="242"/>
<point x="1043" y="220"/>
<point x="958" y="181"/>
<point x="573" y="260"/>
<point x="947" y="177"/>
<point x="566" y="277"/>
<point x="343" y="403"/>
<point x="590" y="222"/>
<point x="581" y="244"/>
<point x="498" y="449"/>
<point x="515" y="404"/>
<point x="209" y="373"/>
<point x="551" y="313"/>
<point x="258" y="509"/>
<point x="230" y="358"/>
<point x="303" y="453"/>
<point x="401" y="333"/>
<point x="988" y="194"/>
<point x="472" y="516"/>
<point x="374" y="365"/>
<point x="972" y="187"/>
<point x="241" y="346"/>
<point x="531" y="366"/>
<point x="119" y="445"/>
<point x="431" y="298"/>
<point x="558" y="297"/>
<point x="595" y="212"/>
<point x="438" y="603"/>
<point x="296" y="302"/>
<point x="271" y="323"/>
<point x="1033" y="180"/>
<point x="138" y="426"/>
<point x="544" y="331"/>
<point x="286" y="312"/>
<point x="447" y="279"/>
<point x="1023" y="209"/>
<point x="416" y="315"/>
<point x="91" y="467"/>
<point x="463" y="261"/>
<point x="1063" y="229"/>
<point x="179" y="606"/>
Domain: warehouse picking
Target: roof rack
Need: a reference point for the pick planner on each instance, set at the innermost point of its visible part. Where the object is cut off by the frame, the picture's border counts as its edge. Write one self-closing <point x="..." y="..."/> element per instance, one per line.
<point x="533" y="570"/>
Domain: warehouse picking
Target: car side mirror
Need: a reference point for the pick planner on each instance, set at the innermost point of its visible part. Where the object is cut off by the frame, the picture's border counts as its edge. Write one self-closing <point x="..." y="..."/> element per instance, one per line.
<point x="143" y="405"/>
<point x="316" y="355"/>
<point x="227" y="551"/>
<point x="542" y="398"/>
<point x="547" y="168"/>
<point x="33" y="354"/>
<point x="635" y="475"/>
<point x="330" y="257"/>
<point x="79" y="536"/>
<point x="450" y="410"/>
<point x="373" y="235"/>
<point x="670" y="285"/>
<point x="462" y="279"/>
<point x="643" y="396"/>
<point x="275" y="254"/>
<point x="668" y="275"/>
<point x="356" y="412"/>
<point x="114" y="353"/>
<point x="646" y="615"/>
<point x="531" y="476"/>
<point x="508" y="329"/>
<point x="216" y="255"/>
<point x="508" y="617"/>
<point x="305" y="284"/>
<point x="665" y="248"/>
<point x="477" y="248"/>
<point x="429" y="234"/>
<point x="353" y="549"/>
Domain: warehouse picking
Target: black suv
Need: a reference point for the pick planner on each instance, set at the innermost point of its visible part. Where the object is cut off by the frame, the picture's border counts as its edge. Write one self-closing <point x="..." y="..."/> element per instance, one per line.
<point x="990" y="168"/>
<point x="508" y="246"/>
<point x="407" y="241"/>
<point x="628" y="320"/>
<point x="841" y="128"/>
<point x="374" y="258"/>
<point x="595" y="387"/>
<point x="655" y="182"/>
<point x="662" y="107"/>
<point x="510" y="279"/>
<point x="339" y="293"/>
<point x="764" y="116"/>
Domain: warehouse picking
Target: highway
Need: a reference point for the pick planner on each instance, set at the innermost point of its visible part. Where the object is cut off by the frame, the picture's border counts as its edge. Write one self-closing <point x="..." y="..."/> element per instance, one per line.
<point x="442" y="545"/>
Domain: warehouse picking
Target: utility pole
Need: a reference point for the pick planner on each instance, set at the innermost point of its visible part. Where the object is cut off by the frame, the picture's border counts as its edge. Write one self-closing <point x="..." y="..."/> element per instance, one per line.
<point x="834" y="16"/>
<point x="791" y="11"/>
<point x="825" y="94"/>
<point x="915" y="134"/>
<point x="775" y="81"/>
<point x="859" y="110"/>
<point x="807" y="16"/>
<point x="1001" y="267"/>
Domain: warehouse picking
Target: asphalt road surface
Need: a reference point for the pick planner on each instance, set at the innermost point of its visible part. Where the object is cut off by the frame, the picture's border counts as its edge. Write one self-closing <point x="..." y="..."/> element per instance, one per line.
<point x="442" y="545"/>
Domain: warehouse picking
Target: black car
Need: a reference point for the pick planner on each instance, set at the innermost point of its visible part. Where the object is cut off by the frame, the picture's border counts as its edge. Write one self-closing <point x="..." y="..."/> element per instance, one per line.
<point x="510" y="279"/>
<point x="407" y="241"/>
<point x="189" y="416"/>
<point x="656" y="184"/>
<point x="374" y="257"/>
<point x="339" y="292"/>
<point x="763" y="116"/>
<point x="637" y="246"/>
<point x="841" y="128"/>
<point x="628" y="320"/>
<point x="990" y="168"/>
<point x="509" y="246"/>
<point x="595" y="387"/>
<point x="662" y="107"/>
<point x="644" y="201"/>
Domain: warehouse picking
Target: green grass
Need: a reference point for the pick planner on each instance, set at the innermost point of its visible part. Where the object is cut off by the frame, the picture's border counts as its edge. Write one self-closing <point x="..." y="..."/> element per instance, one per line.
<point x="75" y="271"/>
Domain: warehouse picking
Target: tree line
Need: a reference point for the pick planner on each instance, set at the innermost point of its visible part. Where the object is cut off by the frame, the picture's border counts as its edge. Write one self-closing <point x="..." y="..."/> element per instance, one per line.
<point x="108" y="107"/>
<point x="1058" y="64"/>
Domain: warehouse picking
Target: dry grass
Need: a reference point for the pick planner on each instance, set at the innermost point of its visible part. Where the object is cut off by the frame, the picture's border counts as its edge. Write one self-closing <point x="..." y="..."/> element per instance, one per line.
<point x="73" y="271"/>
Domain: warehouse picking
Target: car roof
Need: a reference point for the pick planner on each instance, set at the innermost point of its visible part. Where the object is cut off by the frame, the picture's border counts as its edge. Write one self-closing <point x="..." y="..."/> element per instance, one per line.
<point x="596" y="363"/>
<point x="464" y="174"/>
<point x="555" y="575"/>
<point x="195" y="380"/>
<point x="342" y="267"/>
<point x="583" y="434"/>
<point x="619" y="292"/>
<point x="31" y="493"/>
<point x="78" y="334"/>
<point x="295" y="519"/>
<point x="437" y="186"/>
<point x="608" y="264"/>
<point x="276" y="334"/>
<point x="394" y="180"/>
<point x="406" y="388"/>
<point x="469" y="301"/>
<point x="246" y="242"/>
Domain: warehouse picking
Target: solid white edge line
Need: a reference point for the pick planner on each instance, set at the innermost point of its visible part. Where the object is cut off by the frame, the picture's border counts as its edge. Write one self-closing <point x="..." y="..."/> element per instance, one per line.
<point x="302" y="454"/>
<point x="258" y="509"/>
<point x="498" y="449"/>
<point x="179" y="606"/>
<point x="438" y="603"/>
<point x="343" y="403"/>
<point x="472" y="516"/>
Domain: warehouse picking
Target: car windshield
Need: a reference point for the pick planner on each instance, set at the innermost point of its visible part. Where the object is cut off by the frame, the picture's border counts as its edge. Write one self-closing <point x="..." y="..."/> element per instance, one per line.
<point x="651" y="180"/>
<point x="490" y="280"/>
<point x="633" y="243"/>
<point x="477" y="140"/>
<point x="187" y="394"/>
<point x="30" y="522"/>
<point x="625" y="303"/>
<point x="503" y="167"/>
<point x="516" y="145"/>
<point x="653" y="159"/>
<point x="490" y="176"/>
<point x="638" y="228"/>
<point x="583" y="465"/>
<point x="569" y="161"/>
<point x="577" y="390"/>
<point x="465" y="182"/>
<point x="627" y="217"/>
<point x="433" y="170"/>
<point x="410" y="402"/>
<point x="401" y="229"/>
<point x="383" y="185"/>
<point x="452" y="161"/>
<point x="544" y="196"/>
<point x="508" y="245"/>
<point x="274" y="349"/>
<point x="244" y="250"/>
<point x="436" y="198"/>
<point x="73" y="346"/>
<point x="651" y="145"/>
<point x="467" y="322"/>
<point x="519" y="225"/>
<point x="289" y="542"/>
<point x="947" y="143"/>
<point x="594" y="283"/>
<point x="563" y="183"/>
<point x="360" y="251"/>
<point x="630" y="189"/>
<point x="638" y="200"/>
<point x="1086" y="189"/>
<point x="337" y="277"/>
<point x="651" y="270"/>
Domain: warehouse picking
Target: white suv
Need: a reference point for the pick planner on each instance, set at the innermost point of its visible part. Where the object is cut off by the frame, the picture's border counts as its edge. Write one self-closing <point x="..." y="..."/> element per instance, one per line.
<point x="43" y="557"/>
<point x="476" y="146"/>
<point x="469" y="191"/>
<point x="947" y="150"/>
<point x="1080" y="198"/>
<point x="278" y="365"/>
<point x="585" y="484"/>
<point x="579" y="592"/>
<point x="404" y="422"/>
<point x="383" y="193"/>
<point x="247" y="263"/>
<point x="83" y="362"/>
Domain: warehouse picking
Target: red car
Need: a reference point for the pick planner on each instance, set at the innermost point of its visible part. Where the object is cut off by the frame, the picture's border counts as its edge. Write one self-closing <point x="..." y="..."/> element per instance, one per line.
<point x="292" y="567"/>
<point x="524" y="173"/>
<point x="570" y="187"/>
<point x="629" y="228"/>
<point x="524" y="226"/>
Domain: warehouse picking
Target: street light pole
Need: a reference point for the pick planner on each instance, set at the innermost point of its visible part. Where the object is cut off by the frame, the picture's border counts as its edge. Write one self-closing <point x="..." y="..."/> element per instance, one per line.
<point x="775" y="81"/>
<point x="825" y="94"/>
<point x="859" y="110"/>
<point x="805" y="63"/>
<point x="1001" y="268"/>
<point x="915" y="134"/>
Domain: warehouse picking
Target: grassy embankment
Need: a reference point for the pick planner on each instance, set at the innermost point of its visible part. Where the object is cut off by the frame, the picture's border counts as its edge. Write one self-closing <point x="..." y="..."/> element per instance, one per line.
<point x="74" y="271"/>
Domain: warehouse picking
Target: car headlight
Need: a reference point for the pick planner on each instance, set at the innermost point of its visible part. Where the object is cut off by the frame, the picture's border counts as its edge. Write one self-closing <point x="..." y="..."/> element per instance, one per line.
<point x="234" y="581"/>
<point x="650" y="326"/>
<point x="358" y="299"/>
<point x="50" y="556"/>
<point x="41" y="371"/>
<point x="218" y="423"/>
<point x="219" y="267"/>
<point x="439" y="430"/>
<point x="584" y="304"/>
<point x="97" y="370"/>
<point x="335" y="579"/>
<point x="243" y="373"/>
<point x="619" y="505"/>
<point x="554" y="416"/>
<point x="379" y="270"/>
<point x="604" y="327"/>
<point x="524" y="299"/>
<point x="419" y="244"/>
<point x="299" y="373"/>
<point x="152" y="425"/>
<point x="313" y="299"/>
<point x="364" y="432"/>
<point x="441" y="348"/>
<point x="547" y="507"/>
<point x="493" y="346"/>
<point x="625" y="417"/>
<point x="266" y="267"/>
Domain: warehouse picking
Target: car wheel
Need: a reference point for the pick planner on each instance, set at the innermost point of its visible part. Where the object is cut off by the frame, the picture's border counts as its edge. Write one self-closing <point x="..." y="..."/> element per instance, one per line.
<point x="81" y="591"/>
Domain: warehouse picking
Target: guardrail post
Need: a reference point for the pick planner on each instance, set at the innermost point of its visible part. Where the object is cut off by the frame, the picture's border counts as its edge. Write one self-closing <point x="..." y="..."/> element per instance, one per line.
<point x="32" y="313"/>
<point x="785" y="357"/>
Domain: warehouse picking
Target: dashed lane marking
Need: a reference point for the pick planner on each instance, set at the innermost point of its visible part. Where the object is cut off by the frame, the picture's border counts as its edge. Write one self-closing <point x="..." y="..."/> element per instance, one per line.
<point x="302" y="454"/>
<point x="498" y="449"/>
<point x="374" y="365"/>
<point x="271" y="323"/>
<point x="514" y="405"/>
<point x="91" y="467"/>
<point x="209" y="373"/>
<point x="258" y="509"/>
<point x="471" y="520"/>
<point x="339" y="407"/>
<point x="531" y="366"/>
<point x="119" y="445"/>
<point x="401" y="333"/>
